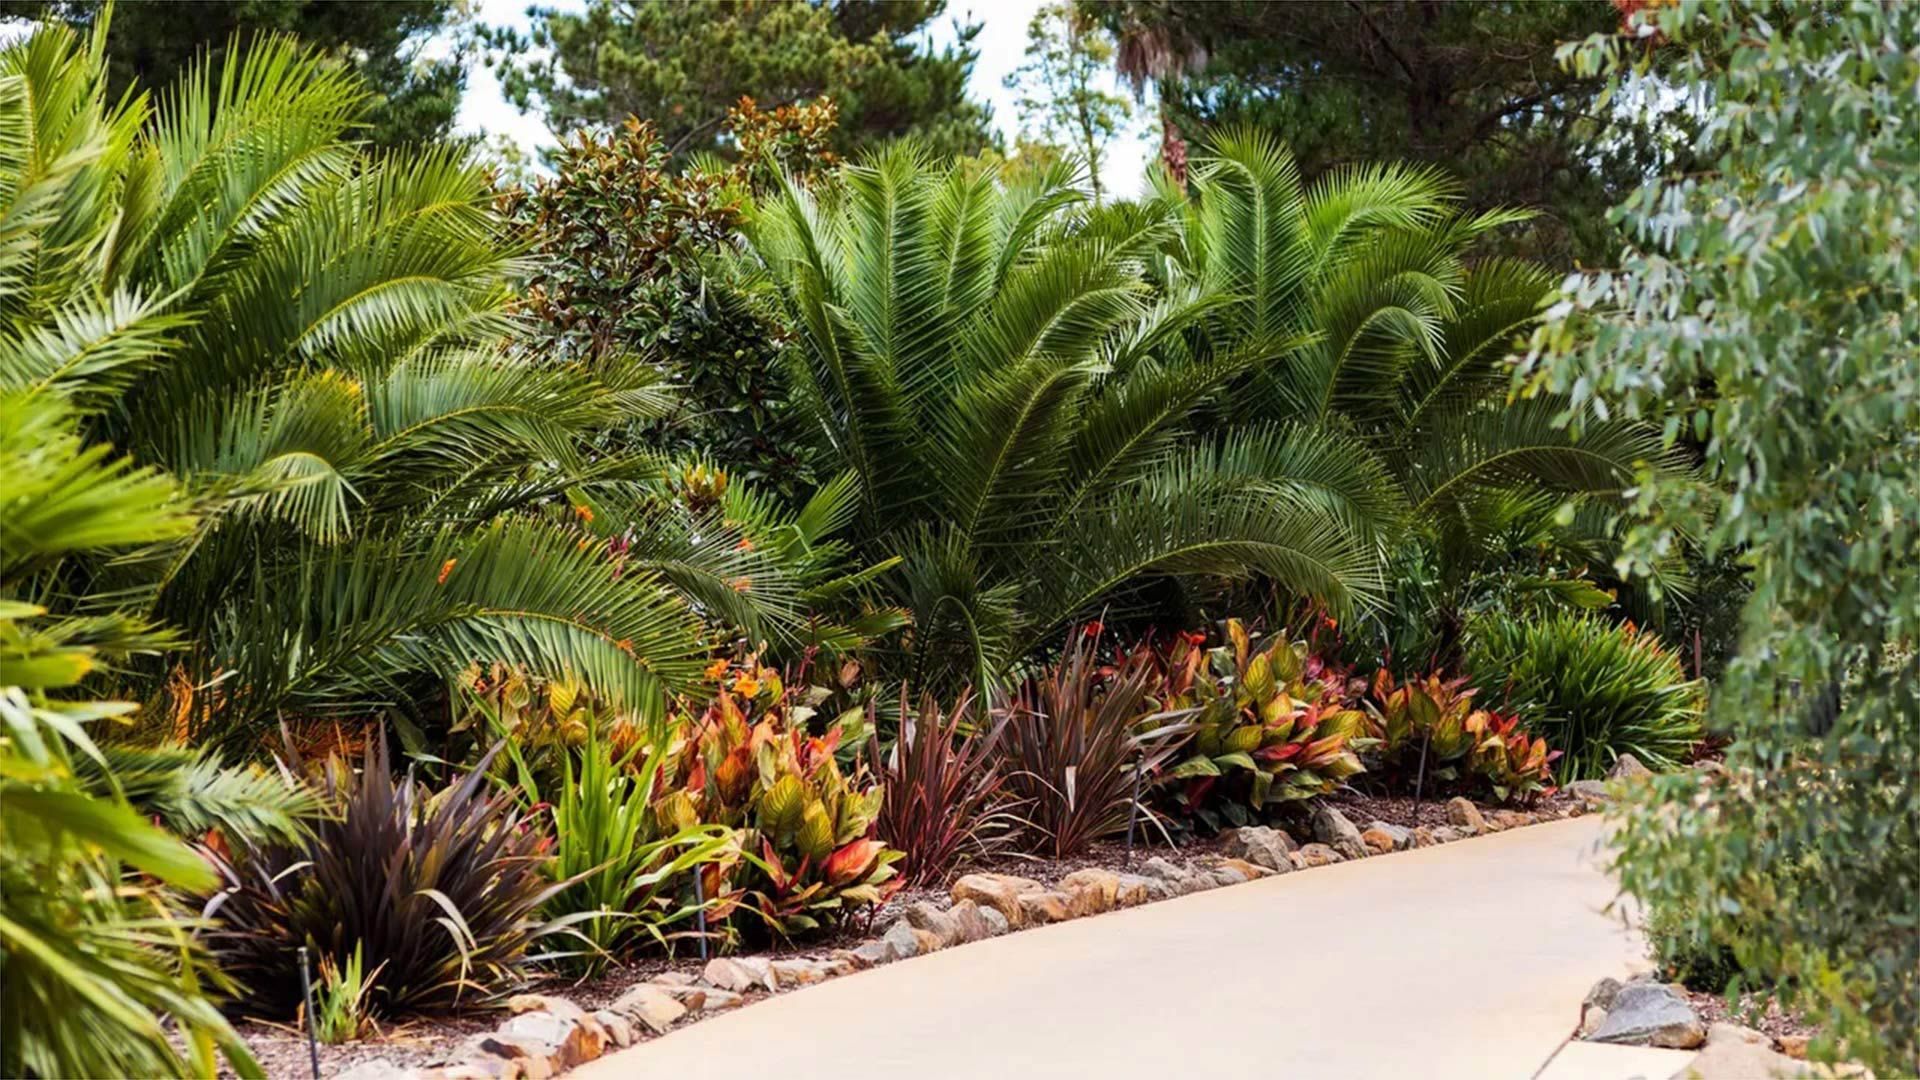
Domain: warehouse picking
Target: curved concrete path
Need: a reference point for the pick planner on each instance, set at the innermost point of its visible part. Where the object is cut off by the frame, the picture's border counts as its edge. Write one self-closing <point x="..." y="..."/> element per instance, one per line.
<point x="1467" y="960"/>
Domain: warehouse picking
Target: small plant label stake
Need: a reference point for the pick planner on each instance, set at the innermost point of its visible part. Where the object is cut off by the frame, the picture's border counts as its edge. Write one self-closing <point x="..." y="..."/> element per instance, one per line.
<point x="313" y="1031"/>
<point x="1420" y="780"/>
<point x="1133" y="813"/>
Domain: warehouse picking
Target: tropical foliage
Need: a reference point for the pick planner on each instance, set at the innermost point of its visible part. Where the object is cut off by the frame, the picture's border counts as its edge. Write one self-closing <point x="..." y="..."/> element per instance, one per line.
<point x="984" y="361"/>
<point x="945" y="800"/>
<point x="1269" y="726"/>
<point x="1429" y="724"/>
<point x="1594" y="690"/>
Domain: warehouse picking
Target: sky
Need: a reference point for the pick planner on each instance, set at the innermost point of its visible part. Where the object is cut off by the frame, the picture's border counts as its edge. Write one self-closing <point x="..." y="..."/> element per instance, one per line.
<point x="1001" y="42"/>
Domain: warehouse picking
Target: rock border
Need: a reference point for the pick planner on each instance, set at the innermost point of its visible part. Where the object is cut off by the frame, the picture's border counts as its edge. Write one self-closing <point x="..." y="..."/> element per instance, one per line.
<point x="547" y="1035"/>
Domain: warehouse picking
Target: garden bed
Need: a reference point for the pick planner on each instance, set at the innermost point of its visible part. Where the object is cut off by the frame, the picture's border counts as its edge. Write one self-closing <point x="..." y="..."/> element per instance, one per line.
<point x="433" y="1048"/>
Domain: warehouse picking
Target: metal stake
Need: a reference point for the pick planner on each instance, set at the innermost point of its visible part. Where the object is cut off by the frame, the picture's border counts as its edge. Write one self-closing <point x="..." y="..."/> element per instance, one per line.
<point x="700" y="913"/>
<point x="1133" y="815"/>
<point x="313" y="1030"/>
<point x="1420" y="781"/>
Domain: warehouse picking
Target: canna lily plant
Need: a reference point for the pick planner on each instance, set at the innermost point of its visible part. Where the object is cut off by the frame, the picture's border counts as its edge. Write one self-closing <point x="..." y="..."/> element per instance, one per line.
<point x="1515" y="763"/>
<point x="1434" y="716"/>
<point x="1269" y="727"/>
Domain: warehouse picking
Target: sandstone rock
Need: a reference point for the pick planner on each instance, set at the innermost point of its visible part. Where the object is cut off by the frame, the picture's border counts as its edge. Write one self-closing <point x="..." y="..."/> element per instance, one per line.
<point x="719" y="1001"/>
<point x="1462" y="814"/>
<point x="1159" y="867"/>
<point x="969" y="922"/>
<point x="1628" y="767"/>
<point x="651" y="1005"/>
<point x="1091" y="891"/>
<point x="1651" y="1014"/>
<point x="482" y="1067"/>
<point x="1795" y="1046"/>
<point x="791" y="973"/>
<point x="1331" y="827"/>
<point x="1512" y="819"/>
<point x="901" y="941"/>
<point x="873" y="953"/>
<point x="1225" y="874"/>
<point x="935" y="921"/>
<point x="1401" y="836"/>
<point x="1447" y="834"/>
<point x="740" y="973"/>
<point x="534" y="1059"/>
<point x="693" y="996"/>
<point x="1161" y="889"/>
<point x="618" y="1030"/>
<point x="1424" y="837"/>
<point x="1318" y="855"/>
<point x="1046" y="906"/>
<point x="998" y="891"/>
<point x="1260" y="844"/>
<point x="1602" y="994"/>
<point x="1377" y="841"/>
<point x="1736" y="1060"/>
<point x="675" y="978"/>
<point x="1132" y="890"/>
<point x="996" y="921"/>
<point x="1591" y="793"/>
<point x="576" y="1041"/>
<point x="376" y="1069"/>
<point x="1248" y="871"/>
<point x="1591" y="1017"/>
<point x="1725" y="1032"/>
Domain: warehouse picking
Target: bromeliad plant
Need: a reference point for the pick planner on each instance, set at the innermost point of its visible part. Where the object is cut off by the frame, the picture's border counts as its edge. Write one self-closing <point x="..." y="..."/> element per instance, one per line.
<point x="1269" y="727"/>
<point x="808" y="854"/>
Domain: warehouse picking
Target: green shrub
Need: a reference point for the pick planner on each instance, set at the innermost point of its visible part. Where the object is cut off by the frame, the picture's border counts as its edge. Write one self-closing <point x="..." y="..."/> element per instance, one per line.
<point x="1684" y="954"/>
<point x="1595" y="690"/>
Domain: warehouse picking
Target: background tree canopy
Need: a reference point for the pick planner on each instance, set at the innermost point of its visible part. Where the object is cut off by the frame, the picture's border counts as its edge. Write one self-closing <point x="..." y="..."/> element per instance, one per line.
<point x="148" y="45"/>
<point x="683" y="65"/>
<point x="1471" y="87"/>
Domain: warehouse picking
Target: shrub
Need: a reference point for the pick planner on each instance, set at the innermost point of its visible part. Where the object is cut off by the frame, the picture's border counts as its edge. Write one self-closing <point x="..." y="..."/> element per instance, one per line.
<point x="438" y="892"/>
<point x="625" y="878"/>
<point x="1267" y="727"/>
<point x="944" y="793"/>
<point x="1076" y="736"/>
<point x="808" y="854"/>
<point x="1595" y="690"/>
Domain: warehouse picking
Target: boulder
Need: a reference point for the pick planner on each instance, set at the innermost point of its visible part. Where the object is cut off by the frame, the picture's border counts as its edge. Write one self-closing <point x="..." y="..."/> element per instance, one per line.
<point x="1591" y="1019"/>
<point x="530" y="1058"/>
<point x="872" y="953"/>
<point x="651" y="1005"/>
<point x="1447" y="834"/>
<point x="1628" y="767"/>
<point x="1651" y="1014"/>
<point x="1247" y="871"/>
<point x="1318" y="855"/>
<point x="1230" y="873"/>
<point x="969" y="922"/>
<point x="1463" y="815"/>
<point x="1795" y="1046"/>
<point x="558" y="1006"/>
<point x="1511" y="819"/>
<point x="480" y="1067"/>
<point x="1132" y="890"/>
<point x="675" y="978"/>
<point x="717" y="1000"/>
<point x="740" y="973"/>
<point x="1091" y="891"/>
<point x="693" y="996"/>
<point x="924" y="916"/>
<point x="997" y="923"/>
<point x="619" y="1030"/>
<point x="1259" y="844"/>
<point x="1424" y="837"/>
<point x="1045" y="906"/>
<point x="1331" y="827"/>
<point x="998" y="891"/>
<point x="1592" y="794"/>
<point x="1401" y="836"/>
<point x="1377" y="841"/>
<point x="797" y="972"/>
<point x="575" y="1042"/>
<point x="1602" y="993"/>
<point x="901" y="941"/>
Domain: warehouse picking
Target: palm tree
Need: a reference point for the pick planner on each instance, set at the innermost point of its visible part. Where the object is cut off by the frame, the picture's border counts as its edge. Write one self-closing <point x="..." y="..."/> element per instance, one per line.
<point x="987" y="362"/>
<point x="1400" y="342"/>
<point x="319" y="343"/>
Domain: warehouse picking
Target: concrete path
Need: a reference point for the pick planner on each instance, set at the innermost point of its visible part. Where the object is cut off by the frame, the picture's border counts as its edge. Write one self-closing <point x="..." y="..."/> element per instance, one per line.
<point x="1467" y="960"/>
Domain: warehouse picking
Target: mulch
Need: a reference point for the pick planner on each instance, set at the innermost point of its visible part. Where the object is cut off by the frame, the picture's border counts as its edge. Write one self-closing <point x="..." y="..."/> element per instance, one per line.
<point x="1752" y="1010"/>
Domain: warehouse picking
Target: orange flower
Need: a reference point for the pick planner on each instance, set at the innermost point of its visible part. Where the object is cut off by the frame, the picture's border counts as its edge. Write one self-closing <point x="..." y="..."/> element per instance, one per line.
<point x="717" y="670"/>
<point x="746" y="685"/>
<point x="745" y="544"/>
<point x="585" y="512"/>
<point x="445" y="569"/>
<point x="742" y="584"/>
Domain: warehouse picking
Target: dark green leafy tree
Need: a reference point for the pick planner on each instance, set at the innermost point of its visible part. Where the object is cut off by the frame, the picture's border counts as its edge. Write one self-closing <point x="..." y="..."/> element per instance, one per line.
<point x="1061" y="101"/>
<point x="151" y="44"/>
<point x="682" y="66"/>
<point x="1469" y="87"/>
<point x="1770" y="307"/>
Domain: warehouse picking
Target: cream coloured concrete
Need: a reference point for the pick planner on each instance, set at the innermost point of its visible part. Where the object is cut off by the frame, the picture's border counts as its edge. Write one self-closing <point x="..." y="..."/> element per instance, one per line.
<point x="1467" y="960"/>
<point x="1602" y="1061"/>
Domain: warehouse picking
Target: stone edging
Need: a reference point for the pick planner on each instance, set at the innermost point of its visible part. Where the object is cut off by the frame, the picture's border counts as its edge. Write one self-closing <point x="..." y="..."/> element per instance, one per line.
<point x="549" y="1035"/>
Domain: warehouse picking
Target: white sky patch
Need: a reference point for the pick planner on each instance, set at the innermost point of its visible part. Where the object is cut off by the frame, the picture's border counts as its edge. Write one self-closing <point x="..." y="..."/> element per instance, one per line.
<point x="1002" y="43"/>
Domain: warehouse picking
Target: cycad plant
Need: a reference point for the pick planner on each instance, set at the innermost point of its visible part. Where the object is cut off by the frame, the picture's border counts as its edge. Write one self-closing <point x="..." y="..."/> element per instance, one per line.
<point x="93" y="951"/>
<point x="318" y="342"/>
<point x="1371" y="318"/>
<point x="987" y="362"/>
